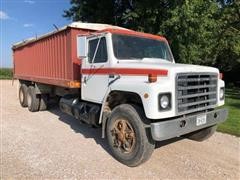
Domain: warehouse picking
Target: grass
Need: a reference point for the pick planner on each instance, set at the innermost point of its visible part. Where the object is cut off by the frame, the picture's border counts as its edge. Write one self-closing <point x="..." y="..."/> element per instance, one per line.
<point x="5" y="73"/>
<point x="232" y="102"/>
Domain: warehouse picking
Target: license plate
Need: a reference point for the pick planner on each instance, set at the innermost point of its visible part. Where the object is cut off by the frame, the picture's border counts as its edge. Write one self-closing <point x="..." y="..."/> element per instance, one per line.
<point x="202" y="119"/>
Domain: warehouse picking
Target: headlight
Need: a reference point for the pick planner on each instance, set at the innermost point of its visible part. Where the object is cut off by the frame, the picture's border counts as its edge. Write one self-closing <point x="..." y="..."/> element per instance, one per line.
<point x="165" y="101"/>
<point x="221" y="93"/>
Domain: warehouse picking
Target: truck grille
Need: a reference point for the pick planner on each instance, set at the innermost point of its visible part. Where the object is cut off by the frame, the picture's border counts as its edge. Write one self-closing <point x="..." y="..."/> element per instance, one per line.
<point x="195" y="92"/>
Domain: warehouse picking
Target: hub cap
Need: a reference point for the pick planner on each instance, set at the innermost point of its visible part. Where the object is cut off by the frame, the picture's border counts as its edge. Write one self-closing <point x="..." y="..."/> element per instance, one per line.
<point x="123" y="136"/>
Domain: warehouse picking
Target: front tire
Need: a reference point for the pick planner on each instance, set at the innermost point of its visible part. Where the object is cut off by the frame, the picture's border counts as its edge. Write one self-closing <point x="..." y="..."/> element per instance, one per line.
<point x="128" y="138"/>
<point x="202" y="134"/>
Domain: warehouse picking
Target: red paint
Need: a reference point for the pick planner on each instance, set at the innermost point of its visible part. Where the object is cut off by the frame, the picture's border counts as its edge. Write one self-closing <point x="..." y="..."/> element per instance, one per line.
<point x="134" y="33"/>
<point x="126" y="71"/>
<point x="48" y="59"/>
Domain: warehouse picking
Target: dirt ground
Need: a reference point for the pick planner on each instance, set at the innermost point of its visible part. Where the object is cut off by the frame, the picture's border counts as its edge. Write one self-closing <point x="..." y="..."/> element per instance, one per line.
<point x="51" y="144"/>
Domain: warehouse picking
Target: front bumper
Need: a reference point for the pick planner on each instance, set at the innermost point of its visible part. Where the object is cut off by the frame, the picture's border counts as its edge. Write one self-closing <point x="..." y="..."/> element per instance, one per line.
<point x="176" y="127"/>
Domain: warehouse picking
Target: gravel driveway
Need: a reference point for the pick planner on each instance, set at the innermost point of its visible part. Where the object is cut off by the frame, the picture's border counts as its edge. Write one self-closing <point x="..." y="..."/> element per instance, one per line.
<point x="51" y="144"/>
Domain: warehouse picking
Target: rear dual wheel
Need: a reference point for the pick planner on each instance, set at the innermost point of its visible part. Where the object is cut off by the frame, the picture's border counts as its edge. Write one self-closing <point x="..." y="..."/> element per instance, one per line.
<point x="36" y="102"/>
<point x="29" y="98"/>
<point x="33" y="100"/>
<point x="43" y="102"/>
<point x="22" y="95"/>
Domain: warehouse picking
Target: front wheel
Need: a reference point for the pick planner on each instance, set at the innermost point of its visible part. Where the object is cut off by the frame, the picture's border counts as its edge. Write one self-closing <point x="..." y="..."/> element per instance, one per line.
<point x="128" y="138"/>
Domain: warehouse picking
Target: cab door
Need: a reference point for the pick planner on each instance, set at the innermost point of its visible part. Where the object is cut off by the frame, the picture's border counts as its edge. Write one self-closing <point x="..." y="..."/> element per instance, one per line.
<point x="94" y="81"/>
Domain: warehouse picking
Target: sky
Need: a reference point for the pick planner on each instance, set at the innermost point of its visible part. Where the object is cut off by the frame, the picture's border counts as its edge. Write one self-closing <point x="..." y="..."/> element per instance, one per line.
<point x="22" y="19"/>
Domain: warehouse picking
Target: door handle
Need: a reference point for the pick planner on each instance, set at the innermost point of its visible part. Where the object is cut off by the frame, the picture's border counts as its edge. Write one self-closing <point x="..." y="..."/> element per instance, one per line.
<point x="111" y="75"/>
<point x="85" y="79"/>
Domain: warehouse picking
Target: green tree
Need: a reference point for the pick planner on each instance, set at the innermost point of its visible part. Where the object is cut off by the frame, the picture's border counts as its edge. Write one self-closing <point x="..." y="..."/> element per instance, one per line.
<point x="193" y="28"/>
<point x="229" y="40"/>
<point x="107" y="11"/>
<point x="91" y="11"/>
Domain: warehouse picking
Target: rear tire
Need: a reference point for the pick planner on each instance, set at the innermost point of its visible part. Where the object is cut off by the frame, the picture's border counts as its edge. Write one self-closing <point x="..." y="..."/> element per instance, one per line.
<point x="22" y="95"/>
<point x="32" y="100"/>
<point x="43" y="102"/>
<point x="202" y="134"/>
<point x="134" y="144"/>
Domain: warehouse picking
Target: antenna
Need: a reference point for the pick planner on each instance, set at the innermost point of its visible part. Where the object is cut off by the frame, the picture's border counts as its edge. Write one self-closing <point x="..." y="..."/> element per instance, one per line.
<point x="56" y="27"/>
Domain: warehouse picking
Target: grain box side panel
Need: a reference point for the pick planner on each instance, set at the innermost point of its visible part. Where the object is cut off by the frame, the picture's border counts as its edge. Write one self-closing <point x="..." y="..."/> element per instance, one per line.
<point x="45" y="60"/>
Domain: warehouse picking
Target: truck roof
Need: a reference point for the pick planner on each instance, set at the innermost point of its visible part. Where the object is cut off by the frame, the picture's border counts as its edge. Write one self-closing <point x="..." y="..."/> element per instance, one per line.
<point x="94" y="27"/>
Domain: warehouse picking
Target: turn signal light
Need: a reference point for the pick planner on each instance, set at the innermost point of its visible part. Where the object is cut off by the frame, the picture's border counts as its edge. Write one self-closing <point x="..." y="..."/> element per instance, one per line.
<point x="152" y="78"/>
<point x="74" y="84"/>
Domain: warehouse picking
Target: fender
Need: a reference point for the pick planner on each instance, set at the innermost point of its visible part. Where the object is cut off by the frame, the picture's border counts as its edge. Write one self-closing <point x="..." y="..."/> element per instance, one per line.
<point x="138" y="89"/>
<point x="123" y="86"/>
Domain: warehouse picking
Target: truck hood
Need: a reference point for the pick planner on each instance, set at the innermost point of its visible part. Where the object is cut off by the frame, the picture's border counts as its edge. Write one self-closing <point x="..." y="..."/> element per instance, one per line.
<point x="165" y="65"/>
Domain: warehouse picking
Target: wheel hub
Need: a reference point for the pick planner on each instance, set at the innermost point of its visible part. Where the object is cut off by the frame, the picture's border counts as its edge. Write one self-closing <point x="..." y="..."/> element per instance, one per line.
<point x="123" y="136"/>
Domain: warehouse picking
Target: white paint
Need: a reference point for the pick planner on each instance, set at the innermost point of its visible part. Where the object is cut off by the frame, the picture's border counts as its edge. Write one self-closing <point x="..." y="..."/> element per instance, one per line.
<point x="93" y="26"/>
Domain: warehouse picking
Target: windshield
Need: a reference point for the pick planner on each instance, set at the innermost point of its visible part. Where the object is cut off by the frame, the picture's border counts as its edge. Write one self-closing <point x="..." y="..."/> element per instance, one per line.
<point x="132" y="47"/>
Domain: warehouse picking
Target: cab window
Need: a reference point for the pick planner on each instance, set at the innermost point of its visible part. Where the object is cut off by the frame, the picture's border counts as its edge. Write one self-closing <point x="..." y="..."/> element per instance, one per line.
<point x="101" y="54"/>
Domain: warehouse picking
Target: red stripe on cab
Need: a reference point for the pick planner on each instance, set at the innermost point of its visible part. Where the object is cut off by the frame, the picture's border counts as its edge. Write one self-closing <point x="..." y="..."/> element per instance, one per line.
<point x="126" y="71"/>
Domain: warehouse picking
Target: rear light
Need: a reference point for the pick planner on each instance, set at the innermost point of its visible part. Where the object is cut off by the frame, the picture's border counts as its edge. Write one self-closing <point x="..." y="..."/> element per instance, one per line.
<point x="152" y="78"/>
<point x="220" y="75"/>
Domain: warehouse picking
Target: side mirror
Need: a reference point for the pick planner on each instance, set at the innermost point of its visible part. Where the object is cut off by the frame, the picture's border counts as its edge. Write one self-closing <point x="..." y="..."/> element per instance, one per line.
<point x="82" y="46"/>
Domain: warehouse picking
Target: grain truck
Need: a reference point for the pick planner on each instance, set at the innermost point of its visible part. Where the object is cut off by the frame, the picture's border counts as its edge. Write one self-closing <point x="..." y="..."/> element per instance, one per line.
<point x="123" y="81"/>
